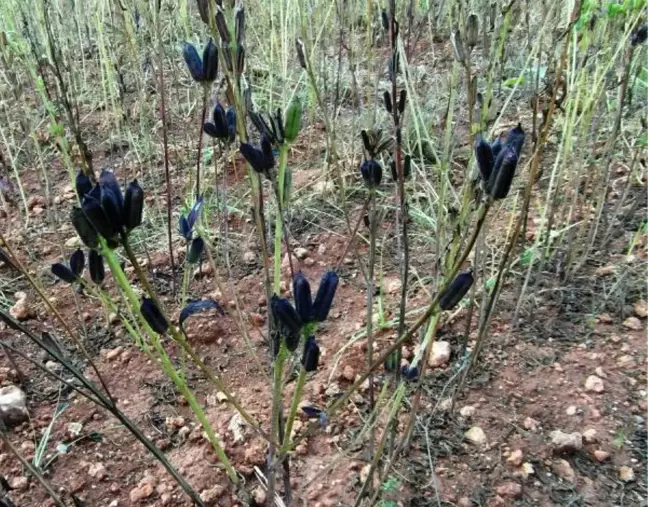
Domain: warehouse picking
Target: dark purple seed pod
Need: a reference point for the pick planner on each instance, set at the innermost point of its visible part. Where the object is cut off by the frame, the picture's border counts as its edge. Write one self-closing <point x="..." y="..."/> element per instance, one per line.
<point x="217" y="128"/>
<point x="496" y="148"/>
<point x="240" y="60"/>
<point x="501" y="178"/>
<point x="291" y="341"/>
<point x="402" y="99"/>
<point x="325" y="295"/>
<point x="195" y="250"/>
<point x="112" y="208"/>
<point x="457" y="289"/>
<point x="83" y="185"/>
<point x="96" y="267"/>
<point x="285" y="315"/>
<point x="84" y="228"/>
<point x="108" y="180"/>
<point x="268" y="154"/>
<point x="407" y="168"/>
<point x="371" y="173"/>
<point x="254" y="157"/>
<point x="192" y="59"/>
<point x="64" y="273"/>
<point x="410" y="373"/>
<point x="210" y="62"/>
<point x="77" y="262"/>
<point x="221" y="25"/>
<point x="515" y="138"/>
<point x="368" y="145"/>
<point x="184" y="228"/>
<point x="210" y="129"/>
<point x="227" y="56"/>
<point x="197" y="307"/>
<point x="133" y="206"/>
<point x="367" y="221"/>
<point x="203" y="10"/>
<point x="640" y="35"/>
<point x="388" y="101"/>
<point x="153" y="316"/>
<point x="239" y="28"/>
<point x="194" y="213"/>
<point x="484" y="156"/>
<point x="310" y="359"/>
<point x="303" y="297"/>
<point x="301" y="57"/>
<point x="279" y="126"/>
<point x="97" y="217"/>
<point x="260" y="124"/>
<point x="385" y="19"/>
<point x="231" y="124"/>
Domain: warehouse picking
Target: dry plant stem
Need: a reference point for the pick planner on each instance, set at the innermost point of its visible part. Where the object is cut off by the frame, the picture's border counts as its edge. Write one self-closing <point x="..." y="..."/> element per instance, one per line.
<point x="59" y="317"/>
<point x="370" y="294"/>
<point x="200" y="136"/>
<point x="165" y="144"/>
<point x="391" y="422"/>
<point x="32" y="469"/>
<point x="502" y="268"/>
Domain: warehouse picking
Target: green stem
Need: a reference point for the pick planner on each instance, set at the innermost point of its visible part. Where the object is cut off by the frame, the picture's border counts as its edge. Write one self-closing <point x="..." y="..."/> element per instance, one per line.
<point x="299" y="388"/>
<point x="281" y="177"/>
<point x="167" y="365"/>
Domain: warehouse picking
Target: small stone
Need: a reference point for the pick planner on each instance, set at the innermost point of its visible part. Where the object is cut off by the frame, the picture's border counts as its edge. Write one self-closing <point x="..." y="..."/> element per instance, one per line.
<point x="21" y="310"/>
<point x="74" y="429"/>
<point x="112" y="354"/>
<point x="210" y="496"/>
<point x="445" y="405"/>
<point x="530" y="424"/>
<point x="309" y="262"/>
<point x="174" y="423"/>
<point x="440" y="354"/>
<point x="36" y="200"/>
<point x="475" y="436"/>
<point x="19" y="483"/>
<point x="464" y="501"/>
<point x="526" y="470"/>
<point x="73" y="242"/>
<point x="97" y="471"/>
<point x="564" y="470"/>
<point x="259" y="495"/>
<point x="141" y="492"/>
<point x="509" y="489"/>
<point x="601" y="455"/>
<point x="626" y="474"/>
<point x="571" y="410"/>
<point x="605" y="318"/>
<point x="467" y="412"/>
<point x="221" y="396"/>
<point x="605" y="270"/>
<point x="632" y="323"/>
<point x="348" y="373"/>
<point x="589" y="436"/>
<point x="205" y="269"/>
<point x="594" y="384"/>
<point x="301" y="253"/>
<point x="625" y="361"/>
<point x="52" y="366"/>
<point x="640" y="308"/>
<point x="249" y="257"/>
<point x="566" y="442"/>
<point x="13" y="405"/>
<point x="516" y="457"/>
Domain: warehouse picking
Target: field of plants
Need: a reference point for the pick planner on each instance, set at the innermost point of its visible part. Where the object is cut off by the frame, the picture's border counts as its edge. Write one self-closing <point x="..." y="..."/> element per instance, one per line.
<point x="323" y="253"/>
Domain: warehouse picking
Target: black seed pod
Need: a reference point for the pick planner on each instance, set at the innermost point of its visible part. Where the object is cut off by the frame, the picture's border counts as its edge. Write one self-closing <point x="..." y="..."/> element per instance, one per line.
<point x="97" y="217"/>
<point x="83" y="185"/>
<point x="261" y="125"/>
<point x="484" y="156"/>
<point x="303" y="297"/>
<point x="63" y="272"/>
<point x="371" y="173"/>
<point x="385" y="19"/>
<point x="325" y="294"/>
<point x="640" y="35"/>
<point x="239" y="28"/>
<point x="515" y="138"/>
<point x="501" y="178"/>
<point x="96" y="266"/>
<point x="310" y="359"/>
<point x="153" y="316"/>
<point x="402" y="99"/>
<point x="221" y="25"/>
<point x="195" y="250"/>
<point x="456" y="290"/>
<point x="108" y="180"/>
<point x="84" y="229"/>
<point x="240" y="60"/>
<point x="407" y="168"/>
<point x="292" y="341"/>
<point x="210" y="62"/>
<point x="368" y="145"/>
<point x="133" y="206"/>
<point x="254" y="157"/>
<point x="112" y="208"/>
<point x="217" y="128"/>
<point x="388" y="101"/>
<point x="203" y="10"/>
<point x="268" y="155"/>
<point x="77" y="262"/>
<point x="279" y="125"/>
<point x="227" y="56"/>
<point x="496" y="147"/>
<point x="192" y="59"/>
<point x="299" y="47"/>
<point x="410" y="373"/>
<point x="367" y="221"/>
<point x="231" y="123"/>
<point x="285" y="315"/>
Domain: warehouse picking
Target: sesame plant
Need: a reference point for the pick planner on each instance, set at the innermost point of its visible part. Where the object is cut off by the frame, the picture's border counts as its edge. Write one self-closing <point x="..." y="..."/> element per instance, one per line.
<point x="469" y="175"/>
